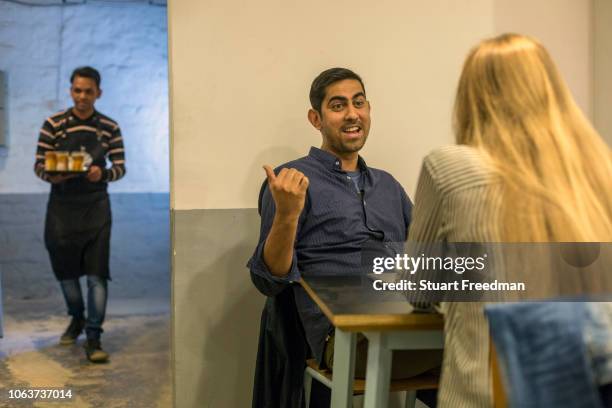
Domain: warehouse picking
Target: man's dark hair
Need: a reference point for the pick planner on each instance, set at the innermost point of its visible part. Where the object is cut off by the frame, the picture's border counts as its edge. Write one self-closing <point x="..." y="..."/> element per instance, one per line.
<point x="325" y="79"/>
<point x="86" y="72"/>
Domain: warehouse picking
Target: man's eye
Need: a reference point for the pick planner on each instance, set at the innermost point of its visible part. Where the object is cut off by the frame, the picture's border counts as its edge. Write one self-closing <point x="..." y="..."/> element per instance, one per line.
<point x="359" y="103"/>
<point x="337" y="107"/>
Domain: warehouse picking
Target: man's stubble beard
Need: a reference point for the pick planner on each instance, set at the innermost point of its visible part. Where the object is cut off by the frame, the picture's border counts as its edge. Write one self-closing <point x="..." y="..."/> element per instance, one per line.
<point x="343" y="147"/>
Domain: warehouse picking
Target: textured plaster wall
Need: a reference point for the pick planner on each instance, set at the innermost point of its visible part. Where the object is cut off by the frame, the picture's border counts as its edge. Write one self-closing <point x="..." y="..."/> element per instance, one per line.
<point x="39" y="48"/>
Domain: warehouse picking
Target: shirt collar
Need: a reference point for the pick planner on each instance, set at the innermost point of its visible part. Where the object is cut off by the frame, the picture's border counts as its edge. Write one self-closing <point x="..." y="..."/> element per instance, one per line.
<point x="74" y="117"/>
<point x="332" y="162"/>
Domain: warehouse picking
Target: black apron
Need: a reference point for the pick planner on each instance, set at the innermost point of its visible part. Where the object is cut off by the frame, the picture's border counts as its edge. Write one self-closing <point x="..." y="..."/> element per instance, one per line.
<point x="78" y="222"/>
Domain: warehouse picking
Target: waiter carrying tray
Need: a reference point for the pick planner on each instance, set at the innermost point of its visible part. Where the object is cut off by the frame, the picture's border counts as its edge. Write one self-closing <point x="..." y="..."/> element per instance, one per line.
<point x="78" y="221"/>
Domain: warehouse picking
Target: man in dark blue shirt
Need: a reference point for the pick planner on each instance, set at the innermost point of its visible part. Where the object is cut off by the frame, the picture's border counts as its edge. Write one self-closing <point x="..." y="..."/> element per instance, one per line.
<point x="320" y="211"/>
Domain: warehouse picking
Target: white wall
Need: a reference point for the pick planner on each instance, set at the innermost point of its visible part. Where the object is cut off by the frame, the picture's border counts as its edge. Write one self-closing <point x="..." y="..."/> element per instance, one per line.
<point x="241" y="72"/>
<point x="602" y="49"/>
<point x="39" y="48"/>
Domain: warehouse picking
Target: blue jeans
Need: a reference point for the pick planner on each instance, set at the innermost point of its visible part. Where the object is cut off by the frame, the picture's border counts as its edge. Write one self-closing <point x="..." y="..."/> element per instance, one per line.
<point x="97" y="295"/>
<point x="543" y="355"/>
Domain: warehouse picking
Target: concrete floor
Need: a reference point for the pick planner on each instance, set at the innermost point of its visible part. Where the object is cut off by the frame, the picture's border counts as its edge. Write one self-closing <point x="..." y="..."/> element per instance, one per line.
<point x="137" y="375"/>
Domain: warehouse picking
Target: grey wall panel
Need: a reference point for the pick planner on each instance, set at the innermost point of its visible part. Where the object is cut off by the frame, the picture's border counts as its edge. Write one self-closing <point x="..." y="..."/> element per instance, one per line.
<point x="216" y="309"/>
<point x="140" y="252"/>
<point x="3" y="110"/>
<point x="1" y="312"/>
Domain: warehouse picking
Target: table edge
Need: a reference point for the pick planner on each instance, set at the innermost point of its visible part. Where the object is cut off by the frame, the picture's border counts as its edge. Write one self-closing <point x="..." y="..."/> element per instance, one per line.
<point x="378" y="322"/>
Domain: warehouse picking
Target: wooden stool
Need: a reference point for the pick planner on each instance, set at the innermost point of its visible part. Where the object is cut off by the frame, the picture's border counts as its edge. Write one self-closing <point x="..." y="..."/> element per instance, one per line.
<point x="426" y="381"/>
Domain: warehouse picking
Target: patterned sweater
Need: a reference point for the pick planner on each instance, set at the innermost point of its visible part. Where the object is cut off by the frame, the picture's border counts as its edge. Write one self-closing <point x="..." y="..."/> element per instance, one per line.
<point x="99" y="135"/>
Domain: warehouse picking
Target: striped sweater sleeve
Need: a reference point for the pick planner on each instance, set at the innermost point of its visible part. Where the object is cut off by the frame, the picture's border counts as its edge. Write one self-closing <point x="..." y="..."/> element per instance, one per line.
<point x="423" y="235"/>
<point x="46" y="140"/>
<point x="116" y="154"/>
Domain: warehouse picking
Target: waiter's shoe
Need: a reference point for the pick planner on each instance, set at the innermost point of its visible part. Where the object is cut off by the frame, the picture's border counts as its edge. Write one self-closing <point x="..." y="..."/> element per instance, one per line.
<point x="94" y="352"/>
<point x="74" y="329"/>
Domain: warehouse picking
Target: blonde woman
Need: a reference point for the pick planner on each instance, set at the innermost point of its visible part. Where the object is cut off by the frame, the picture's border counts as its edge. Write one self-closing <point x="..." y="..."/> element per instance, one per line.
<point x="527" y="167"/>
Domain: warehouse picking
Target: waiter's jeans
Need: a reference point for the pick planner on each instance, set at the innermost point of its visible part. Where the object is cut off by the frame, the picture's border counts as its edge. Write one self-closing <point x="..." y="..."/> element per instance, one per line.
<point x="97" y="295"/>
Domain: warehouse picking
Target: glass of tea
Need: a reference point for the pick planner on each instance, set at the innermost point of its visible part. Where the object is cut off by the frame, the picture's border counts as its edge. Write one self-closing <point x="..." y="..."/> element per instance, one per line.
<point x="50" y="161"/>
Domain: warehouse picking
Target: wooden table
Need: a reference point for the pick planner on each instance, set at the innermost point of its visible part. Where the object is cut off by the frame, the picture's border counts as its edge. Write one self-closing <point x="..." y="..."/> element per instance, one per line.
<point x="386" y="319"/>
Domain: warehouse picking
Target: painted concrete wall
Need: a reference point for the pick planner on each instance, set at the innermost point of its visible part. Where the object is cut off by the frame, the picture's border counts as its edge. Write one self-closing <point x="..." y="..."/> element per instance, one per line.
<point x="602" y="50"/>
<point x="240" y="77"/>
<point x="39" y="48"/>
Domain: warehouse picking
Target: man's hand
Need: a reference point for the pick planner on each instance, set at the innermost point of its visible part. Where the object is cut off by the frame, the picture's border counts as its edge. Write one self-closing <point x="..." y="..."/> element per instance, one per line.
<point x="94" y="174"/>
<point x="289" y="194"/>
<point x="288" y="191"/>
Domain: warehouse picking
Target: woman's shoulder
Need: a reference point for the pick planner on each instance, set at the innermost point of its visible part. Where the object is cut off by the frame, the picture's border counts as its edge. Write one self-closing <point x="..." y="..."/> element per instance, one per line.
<point x="455" y="154"/>
<point x="456" y="166"/>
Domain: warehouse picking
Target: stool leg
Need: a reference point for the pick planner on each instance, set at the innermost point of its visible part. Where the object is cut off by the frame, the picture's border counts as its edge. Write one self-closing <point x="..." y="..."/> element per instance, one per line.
<point x="307" y="387"/>
<point x="410" y="399"/>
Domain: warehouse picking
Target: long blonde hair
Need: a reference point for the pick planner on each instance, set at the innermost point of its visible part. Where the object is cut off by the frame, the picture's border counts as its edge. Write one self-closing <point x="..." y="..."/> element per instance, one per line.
<point x="556" y="171"/>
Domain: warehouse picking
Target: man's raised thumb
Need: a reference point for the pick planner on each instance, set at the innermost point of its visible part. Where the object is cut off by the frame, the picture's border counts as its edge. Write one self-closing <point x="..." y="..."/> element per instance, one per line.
<point x="269" y="173"/>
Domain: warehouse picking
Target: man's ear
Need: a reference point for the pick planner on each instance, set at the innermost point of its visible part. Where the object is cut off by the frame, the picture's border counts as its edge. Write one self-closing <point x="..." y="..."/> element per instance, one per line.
<point x="99" y="92"/>
<point x="314" y="118"/>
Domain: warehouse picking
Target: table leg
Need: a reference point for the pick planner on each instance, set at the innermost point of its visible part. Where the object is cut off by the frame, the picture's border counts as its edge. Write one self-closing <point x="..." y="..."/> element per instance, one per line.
<point x="344" y="369"/>
<point x="378" y="373"/>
